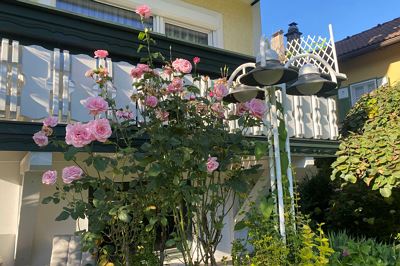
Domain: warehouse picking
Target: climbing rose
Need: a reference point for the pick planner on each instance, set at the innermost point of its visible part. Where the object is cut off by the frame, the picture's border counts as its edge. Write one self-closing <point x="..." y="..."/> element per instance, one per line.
<point x="175" y="86"/>
<point x="218" y="110"/>
<point x="241" y="108"/>
<point x="182" y="65"/>
<point x="100" y="54"/>
<point x="167" y="70"/>
<point x="49" y="177"/>
<point x="257" y="108"/>
<point x="136" y="72"/>
<point x="220" y="91"/>
<point x="40" y="139"/>
<point x="212" y="164"/>
<point x="151" y="101"/>
<point x="71" y="173"/>
<point x="78" y="135"/>
<point x="124" y="114"/>
<point x="144" y="67"/>
<point x="95" y="105"/>
<point x="196" y="60"/>
<point x="100" y="129"/>
<point x="144" y="11"/>
<point x="162" y="115"/>
<point x="50" y="121"/>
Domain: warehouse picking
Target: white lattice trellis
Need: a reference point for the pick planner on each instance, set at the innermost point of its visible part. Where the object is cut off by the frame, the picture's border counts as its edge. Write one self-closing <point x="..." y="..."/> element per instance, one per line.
<point x="321" y="46"/>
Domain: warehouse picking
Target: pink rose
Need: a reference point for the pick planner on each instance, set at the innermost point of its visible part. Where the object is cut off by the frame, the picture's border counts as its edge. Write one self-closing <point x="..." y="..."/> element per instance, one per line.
<point x="124" y="114"/>
<point x="218" y="110"/>
<point x="144" y="11"/>
<point x="182" y="65"/>
<point x="257" y="108"/>
<point x="212" y="164"/>
<point x="49" y="177"/>
<point x="241" y="109"/>
<point x="100" y="129"/>
<point x="175" y="85"/>
<point x="71" y="173"/>
<point x="162" y="115"/>
<point x="95" y="105"/>
<point x="196" y="60"/>
<point x="136" y="72"/>
<point x="78" y="135"/>
<point x="144" y="68"/>
<point x="167" y="70"/>
<point x="151" y="101"/>
<point x="50" y="121"/>
<point x="220" y="91"/>
<point x="89" y="73"/>
<point x="100" y="54"/>
<point x="40" y="139"/>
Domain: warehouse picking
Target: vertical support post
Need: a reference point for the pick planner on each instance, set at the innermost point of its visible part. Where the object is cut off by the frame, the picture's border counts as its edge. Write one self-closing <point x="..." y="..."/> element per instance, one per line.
<point x="289" y="171"/>
<point x="281" y="207"/>
<point x="332" y="40"/>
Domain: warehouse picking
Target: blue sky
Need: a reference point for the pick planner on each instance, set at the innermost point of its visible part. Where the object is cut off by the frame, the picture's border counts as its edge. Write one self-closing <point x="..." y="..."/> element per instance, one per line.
<point x="347" y="17"/>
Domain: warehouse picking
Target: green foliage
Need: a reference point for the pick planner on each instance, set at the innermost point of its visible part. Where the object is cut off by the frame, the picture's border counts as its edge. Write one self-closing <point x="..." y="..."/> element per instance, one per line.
<point x="264" y="245"/>
<point x="354" y="208"/>
<point x="370" y="150"/>
<point x="362" y="251"/>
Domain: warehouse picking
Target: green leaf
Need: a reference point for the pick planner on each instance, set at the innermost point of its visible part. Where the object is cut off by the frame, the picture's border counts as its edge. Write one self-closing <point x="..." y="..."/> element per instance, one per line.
<point x="124" y="216"/>
<point x="154" y="170"/>
<point x="47" y="200"/>
<point x="141" y="36"/>
<point x="385" y="192"/>
<point x="63" y="216"/>
<point x="260" y="149"/>
<point x="99" y="194"/>
<point x="240" y="226"/>
<point x="141" y="46"/>
<point x="70" y="153"/>
<point x="164" y="221"/>
<point x="170" y="243"/>
<point x="100" y="163"/>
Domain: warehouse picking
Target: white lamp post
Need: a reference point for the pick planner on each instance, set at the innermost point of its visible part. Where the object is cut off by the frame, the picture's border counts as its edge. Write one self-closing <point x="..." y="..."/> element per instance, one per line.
<point x="266" y="73"/>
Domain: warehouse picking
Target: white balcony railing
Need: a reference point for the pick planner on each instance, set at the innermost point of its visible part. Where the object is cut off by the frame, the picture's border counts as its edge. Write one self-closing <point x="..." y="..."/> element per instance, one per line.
<point x="36" y="82"/>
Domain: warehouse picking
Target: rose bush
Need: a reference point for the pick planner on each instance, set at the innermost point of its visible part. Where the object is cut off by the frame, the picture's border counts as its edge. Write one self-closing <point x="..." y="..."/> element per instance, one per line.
<point x="179" y="161"/>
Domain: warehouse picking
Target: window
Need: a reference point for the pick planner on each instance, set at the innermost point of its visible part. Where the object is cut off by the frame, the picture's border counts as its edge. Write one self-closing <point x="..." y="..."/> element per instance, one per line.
<point x="186" y="34"/>
<point x="104" y="12"/>
<point x="359" y="89"/>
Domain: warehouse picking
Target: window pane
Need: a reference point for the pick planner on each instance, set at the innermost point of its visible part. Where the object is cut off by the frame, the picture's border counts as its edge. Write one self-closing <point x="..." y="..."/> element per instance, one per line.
<point x="104" y="12"/>
<point x="181" y="33"/>
<point x="359" y="90"/>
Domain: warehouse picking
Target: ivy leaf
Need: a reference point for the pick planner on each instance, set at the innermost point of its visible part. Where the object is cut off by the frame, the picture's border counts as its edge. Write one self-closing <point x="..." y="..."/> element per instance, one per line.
<point x="385" y="192"/>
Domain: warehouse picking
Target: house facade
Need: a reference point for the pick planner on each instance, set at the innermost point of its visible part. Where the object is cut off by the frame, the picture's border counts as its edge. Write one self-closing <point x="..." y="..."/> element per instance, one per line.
<point x="47" y="45"/>
<point x="370" y="59"/>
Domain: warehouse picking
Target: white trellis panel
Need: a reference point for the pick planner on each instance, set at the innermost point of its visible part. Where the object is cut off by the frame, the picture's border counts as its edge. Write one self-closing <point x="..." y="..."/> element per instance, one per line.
<point x="36" y="91"/>
<point x="4" y="66"/>
<point x="80" y="86"/>
<point x="324" y="121"/>
<point x="291" y="125"/>
<point x="122" y="81"/>
<point x="307" y="117"/>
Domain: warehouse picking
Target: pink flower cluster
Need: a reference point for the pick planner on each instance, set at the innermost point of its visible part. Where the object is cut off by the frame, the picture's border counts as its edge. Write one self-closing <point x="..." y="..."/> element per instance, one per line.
<point x="100" y="54"/>
<point x="143" y="11"/>
<point x="41" y="138"/>
<point x="196" y="60"/>
<point x="127" y="115"/>
<point x="162" y="115"/>
<point x="139" y="70"/>
<point x="255" y="107"/>
<point x="80" y="135"/>
<point x="218" y="110"/>
<point x="95" y="105"/>
<point x="182" y="66"/>
<point x="212" y="164"/>
<point x="220" y="91"/>
<point x="151" y="101"/>
<point x="69" y="174"/>
<point x="176" y="85"/>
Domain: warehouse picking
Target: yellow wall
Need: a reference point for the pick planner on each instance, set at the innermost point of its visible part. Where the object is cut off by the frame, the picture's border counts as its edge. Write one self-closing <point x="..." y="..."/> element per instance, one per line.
<point x="237" y="23"/>
<point x="383" y="62"/>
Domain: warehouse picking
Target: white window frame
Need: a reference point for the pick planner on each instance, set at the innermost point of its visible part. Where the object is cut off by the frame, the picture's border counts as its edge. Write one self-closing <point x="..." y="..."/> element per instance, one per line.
<point x="210" y="41"/>
<point x="352" y="89"/>
<point x="180" y="13"/>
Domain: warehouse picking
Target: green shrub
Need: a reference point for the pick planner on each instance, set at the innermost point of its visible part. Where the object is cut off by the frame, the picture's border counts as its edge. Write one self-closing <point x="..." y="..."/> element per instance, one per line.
<point x="362" y="251"/>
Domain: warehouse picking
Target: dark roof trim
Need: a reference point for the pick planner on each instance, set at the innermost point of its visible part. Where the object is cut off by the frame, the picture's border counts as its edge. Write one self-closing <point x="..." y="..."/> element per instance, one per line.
<point x="17" y="136"/>
<point x="254" y="2"/>
<point x="33" y="24"/>
<point x="368" y="49"/>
